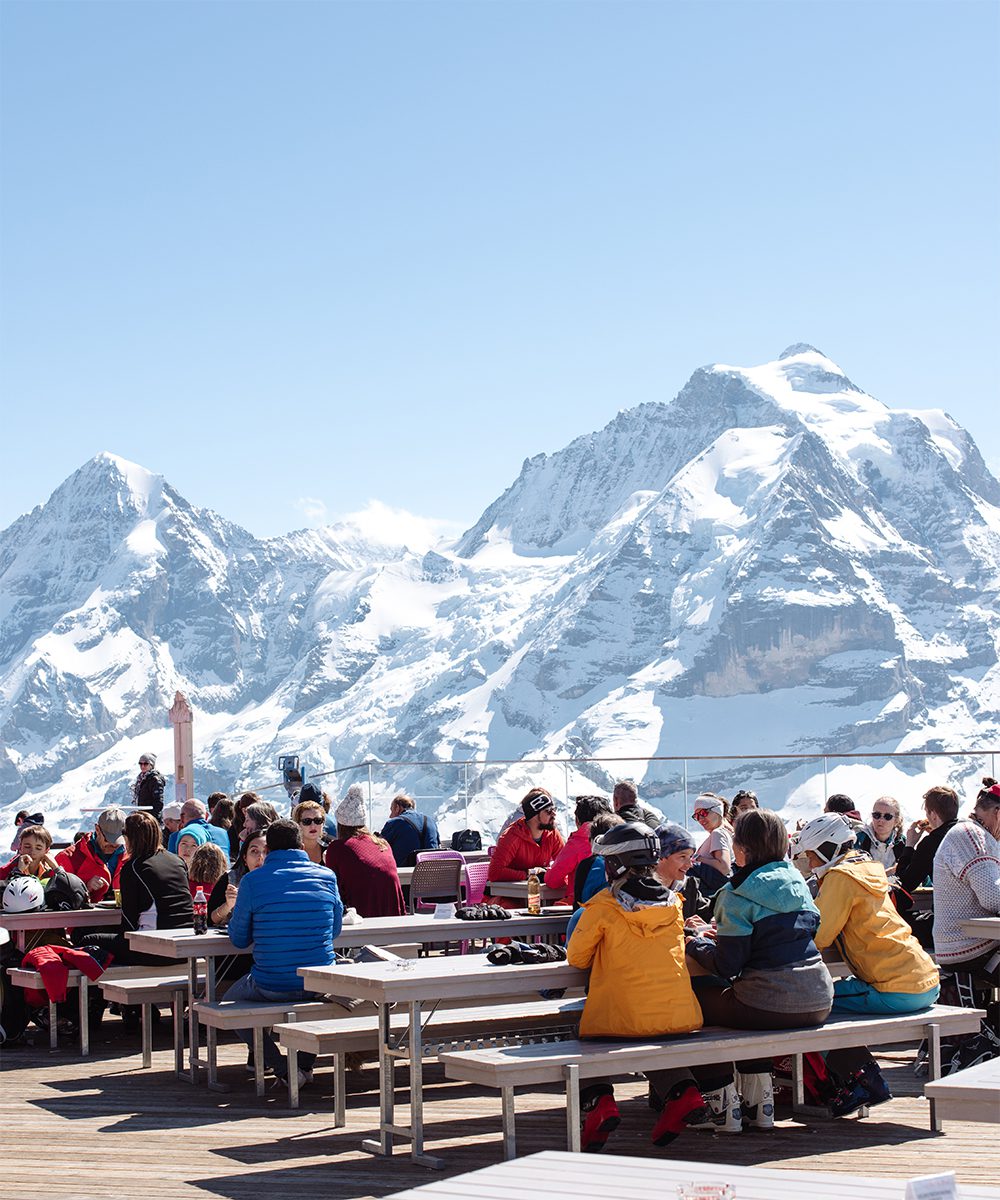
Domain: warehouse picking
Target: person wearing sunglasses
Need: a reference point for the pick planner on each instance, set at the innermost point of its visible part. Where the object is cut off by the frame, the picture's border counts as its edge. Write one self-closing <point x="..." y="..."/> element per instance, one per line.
<point x="310" y="816"/>
<point x="882" y="837"/>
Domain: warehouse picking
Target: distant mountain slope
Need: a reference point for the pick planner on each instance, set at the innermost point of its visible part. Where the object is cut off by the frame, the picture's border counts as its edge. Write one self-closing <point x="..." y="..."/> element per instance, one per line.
<point x="773" y="561"/>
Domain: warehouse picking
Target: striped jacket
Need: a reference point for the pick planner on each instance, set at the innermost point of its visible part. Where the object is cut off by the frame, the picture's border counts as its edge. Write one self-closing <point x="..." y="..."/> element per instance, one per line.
<point x="290" y="910"/>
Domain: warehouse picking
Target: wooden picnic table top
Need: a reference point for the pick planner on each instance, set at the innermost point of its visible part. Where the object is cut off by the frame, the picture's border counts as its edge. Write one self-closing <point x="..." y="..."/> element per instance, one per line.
<point x="461" y="976"/>
<point x="372" y="931"/>
<point x="21" y="924"/>
<point x="517" y="889"/>
<point x="558" y="1175"/>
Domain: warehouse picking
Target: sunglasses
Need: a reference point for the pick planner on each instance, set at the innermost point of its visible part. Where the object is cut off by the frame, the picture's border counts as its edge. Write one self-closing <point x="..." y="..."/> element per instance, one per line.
<point x="144" y="762"/>
<point x="877" y="816"/>
<point x="311" y="820"/>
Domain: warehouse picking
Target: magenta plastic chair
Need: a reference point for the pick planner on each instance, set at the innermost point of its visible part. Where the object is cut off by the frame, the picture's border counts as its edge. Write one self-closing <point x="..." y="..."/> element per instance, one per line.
<point x="476" y="875"/>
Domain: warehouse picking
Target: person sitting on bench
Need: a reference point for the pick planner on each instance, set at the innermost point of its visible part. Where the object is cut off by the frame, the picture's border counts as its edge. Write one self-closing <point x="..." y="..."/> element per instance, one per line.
<point x="631" y="937"/>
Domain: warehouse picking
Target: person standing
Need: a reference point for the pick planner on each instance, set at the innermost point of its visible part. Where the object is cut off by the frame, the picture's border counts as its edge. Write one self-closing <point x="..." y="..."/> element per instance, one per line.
<point x="290" y="911"/>
<point x="147" y="791"/>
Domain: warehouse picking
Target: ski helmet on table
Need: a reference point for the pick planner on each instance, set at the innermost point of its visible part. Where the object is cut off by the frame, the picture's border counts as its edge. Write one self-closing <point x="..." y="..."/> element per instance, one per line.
<point x="23" y="894"/>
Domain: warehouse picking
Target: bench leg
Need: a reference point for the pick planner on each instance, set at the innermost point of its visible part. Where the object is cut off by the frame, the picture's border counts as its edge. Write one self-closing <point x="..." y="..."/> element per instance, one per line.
<point x="147" y="1036"/>
<point x="573" y="1108"/>
<point x="179" y="1033"/>
<point x="293" y="1077"/>
<point x="192" y="1019"/>
<point x="798" y="1083"/>
<point x="258" y="1059"/>
<point x="84" y="1015"/>
<point x="340" y="1091"/>
<point x="934" y="1069"/>
<point x="507" y="1108"/>
<point x="53" y="1026"/>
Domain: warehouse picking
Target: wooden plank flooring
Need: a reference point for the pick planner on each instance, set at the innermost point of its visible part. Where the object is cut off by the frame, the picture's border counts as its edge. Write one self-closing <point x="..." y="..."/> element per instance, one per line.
<point x="103" y="1127"/>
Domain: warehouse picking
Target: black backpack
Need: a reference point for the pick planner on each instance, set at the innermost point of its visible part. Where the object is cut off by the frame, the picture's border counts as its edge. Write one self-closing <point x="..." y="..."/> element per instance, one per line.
<point x="466" y="839"/>
<point x="65" y="892"/>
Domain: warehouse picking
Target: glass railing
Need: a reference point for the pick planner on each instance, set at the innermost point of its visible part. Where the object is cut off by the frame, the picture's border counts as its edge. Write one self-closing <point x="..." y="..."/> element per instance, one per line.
<point x="480" y="793"/>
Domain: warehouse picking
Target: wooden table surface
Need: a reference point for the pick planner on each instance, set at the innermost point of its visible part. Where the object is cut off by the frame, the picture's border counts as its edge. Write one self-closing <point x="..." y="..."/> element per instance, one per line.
<point x="21" y="924"/>
<point x="982" y="927"/>
<point x="373" y="931"/>
<point x="557" y="1175"/>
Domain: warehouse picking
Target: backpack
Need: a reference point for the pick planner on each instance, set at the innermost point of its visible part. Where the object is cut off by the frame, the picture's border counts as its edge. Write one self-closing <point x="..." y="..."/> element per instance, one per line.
<point x="466" y="839"/>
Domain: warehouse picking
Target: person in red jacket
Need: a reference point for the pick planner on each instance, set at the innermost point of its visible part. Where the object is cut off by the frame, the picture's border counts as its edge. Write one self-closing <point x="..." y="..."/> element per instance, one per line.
<point x="577" y="848"/>
<point x="532" y="841"/>
<point x="98" y="859"/>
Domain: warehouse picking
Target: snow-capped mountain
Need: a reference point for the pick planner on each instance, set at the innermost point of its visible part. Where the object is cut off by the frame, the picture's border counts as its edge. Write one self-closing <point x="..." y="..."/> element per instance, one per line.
<point x="775" y="562"/>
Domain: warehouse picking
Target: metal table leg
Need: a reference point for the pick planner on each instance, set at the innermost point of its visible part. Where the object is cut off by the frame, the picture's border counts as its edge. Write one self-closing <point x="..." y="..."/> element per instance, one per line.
<point x="147" y="1034"/>
<point x="386" y="1068"/>
<point x="192" y="1019"/>
<point x="211" y="1033"/>
<point x="573" y="1108"/>
<point x="340" y="1091"/>
<point x="84" y="1015"/>
<point x="179" y="1033"/>
<point x="507" y="1108"/>
<point x="417" y="1093"/>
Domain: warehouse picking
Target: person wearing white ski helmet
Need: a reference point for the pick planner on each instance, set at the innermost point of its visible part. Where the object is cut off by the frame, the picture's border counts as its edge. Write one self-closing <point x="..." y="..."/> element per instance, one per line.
<point x="829" y="838"/>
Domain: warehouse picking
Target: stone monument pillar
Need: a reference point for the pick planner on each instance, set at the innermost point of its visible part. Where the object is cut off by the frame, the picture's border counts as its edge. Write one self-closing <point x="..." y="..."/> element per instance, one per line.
<point x="182" y="719"/>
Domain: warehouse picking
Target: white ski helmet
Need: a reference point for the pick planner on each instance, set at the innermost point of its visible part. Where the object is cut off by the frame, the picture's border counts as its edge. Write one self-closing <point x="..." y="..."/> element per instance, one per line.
<point x="830" y="837"/>
<point x="23" y="894"/>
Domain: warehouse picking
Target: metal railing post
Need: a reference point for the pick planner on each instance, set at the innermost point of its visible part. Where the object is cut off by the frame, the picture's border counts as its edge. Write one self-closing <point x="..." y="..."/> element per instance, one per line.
<point x="369" y="795"/>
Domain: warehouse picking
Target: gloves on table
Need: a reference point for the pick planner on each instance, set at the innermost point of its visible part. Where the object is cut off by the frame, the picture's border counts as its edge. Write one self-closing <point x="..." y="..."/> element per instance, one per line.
<point x="525" y="952"/>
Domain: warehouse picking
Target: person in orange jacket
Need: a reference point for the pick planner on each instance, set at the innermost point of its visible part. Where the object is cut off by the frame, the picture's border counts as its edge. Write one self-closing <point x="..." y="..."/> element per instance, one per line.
<point x="532" y="841"/>
<point x="631" y="938"/>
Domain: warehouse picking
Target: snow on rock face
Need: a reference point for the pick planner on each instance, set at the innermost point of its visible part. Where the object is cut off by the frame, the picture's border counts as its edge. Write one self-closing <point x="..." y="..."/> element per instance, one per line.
<point x="773" y="561"/>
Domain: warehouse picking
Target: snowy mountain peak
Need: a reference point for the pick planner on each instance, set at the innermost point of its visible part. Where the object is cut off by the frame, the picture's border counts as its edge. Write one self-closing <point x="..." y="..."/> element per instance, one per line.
<point x="798" y="348"/>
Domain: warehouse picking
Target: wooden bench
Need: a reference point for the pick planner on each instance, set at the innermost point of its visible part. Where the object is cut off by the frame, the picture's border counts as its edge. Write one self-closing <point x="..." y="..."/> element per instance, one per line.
<point x="449" y="1029"/>
<point x="28" y="978"/>
<point x="969" y="1095"/>
<point x="568" y="1062"/>
<point x="145" y="992"/>
<point x="235" y="1014"/>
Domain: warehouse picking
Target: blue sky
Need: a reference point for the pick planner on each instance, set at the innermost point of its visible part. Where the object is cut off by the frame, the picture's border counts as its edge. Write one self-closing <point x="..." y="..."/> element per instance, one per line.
<point x="357" y="251"/>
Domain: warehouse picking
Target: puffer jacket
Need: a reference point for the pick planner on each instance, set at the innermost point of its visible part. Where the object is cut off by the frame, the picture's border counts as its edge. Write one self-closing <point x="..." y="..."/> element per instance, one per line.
<point x="639" y="983"/>
<point x="517" y="852"/>
<point x="82" y="859"/>
<point x="290" y="910"/>
<point x="857" y="913"/>
<point x="576" y="849"/>
<point x="765" y="925"/>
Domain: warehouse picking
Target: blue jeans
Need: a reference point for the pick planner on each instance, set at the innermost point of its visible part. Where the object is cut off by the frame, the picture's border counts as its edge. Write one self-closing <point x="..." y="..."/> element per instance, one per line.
<point x="248" y="989"/>
<point x="855" y="996"/>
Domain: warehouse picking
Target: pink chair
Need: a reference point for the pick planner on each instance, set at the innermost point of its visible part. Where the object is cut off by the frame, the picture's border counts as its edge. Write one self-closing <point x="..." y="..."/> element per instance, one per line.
<point x="476" y="875"/>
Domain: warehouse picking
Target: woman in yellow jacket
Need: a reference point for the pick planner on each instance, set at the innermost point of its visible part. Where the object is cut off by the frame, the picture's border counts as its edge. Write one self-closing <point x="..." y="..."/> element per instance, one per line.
<point x="631" y="936"/>
<point x="890" y="971"/>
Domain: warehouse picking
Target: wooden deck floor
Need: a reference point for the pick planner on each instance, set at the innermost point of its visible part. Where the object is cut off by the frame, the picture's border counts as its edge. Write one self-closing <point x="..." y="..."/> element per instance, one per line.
<point x="103" y="1127"/>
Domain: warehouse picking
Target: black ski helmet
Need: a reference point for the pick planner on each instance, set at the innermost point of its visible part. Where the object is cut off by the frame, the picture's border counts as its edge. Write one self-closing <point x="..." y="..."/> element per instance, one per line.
<point x="631" y="844"/>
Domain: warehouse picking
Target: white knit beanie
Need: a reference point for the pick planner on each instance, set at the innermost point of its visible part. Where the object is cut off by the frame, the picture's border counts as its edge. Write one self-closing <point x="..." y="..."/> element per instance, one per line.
<point x="351" y="810"/>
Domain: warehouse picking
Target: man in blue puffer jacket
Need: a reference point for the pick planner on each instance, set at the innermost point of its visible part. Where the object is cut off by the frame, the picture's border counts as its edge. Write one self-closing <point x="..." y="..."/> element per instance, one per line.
<point x="289" y="909"/>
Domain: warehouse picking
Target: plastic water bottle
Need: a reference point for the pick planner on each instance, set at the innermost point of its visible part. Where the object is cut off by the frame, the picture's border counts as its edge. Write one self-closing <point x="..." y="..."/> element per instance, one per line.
<point x="200" y="912"/>
<point x="534" y="894"/>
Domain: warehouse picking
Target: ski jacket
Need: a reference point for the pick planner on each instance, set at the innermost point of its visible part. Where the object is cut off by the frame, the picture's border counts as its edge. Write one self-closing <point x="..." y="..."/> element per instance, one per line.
<point x="409" y="833"/>
<point x="517" y="852"/>
<point x="765" y="925"/>
<point x="290" y="910"/>
<point x="82" y="859"/>
<point x="857" y="913"/>
<point x="639" y="983"/>
<point x="576" y="849"/>
<point x="886" y="853"/>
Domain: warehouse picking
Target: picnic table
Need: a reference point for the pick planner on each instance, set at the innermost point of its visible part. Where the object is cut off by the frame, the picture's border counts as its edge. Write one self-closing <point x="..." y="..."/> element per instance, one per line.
<point x="420" y="982"/>
<point x="209" y="947"/>
<point x="557" y="1175"/>
<point x="982" y="927"/>
<point x="517" y="889"/>
<point x="21" y="924"/>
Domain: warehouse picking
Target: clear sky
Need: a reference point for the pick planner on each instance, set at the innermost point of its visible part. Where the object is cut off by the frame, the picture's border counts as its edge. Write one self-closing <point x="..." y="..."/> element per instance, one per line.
<point x="316" y="252"/>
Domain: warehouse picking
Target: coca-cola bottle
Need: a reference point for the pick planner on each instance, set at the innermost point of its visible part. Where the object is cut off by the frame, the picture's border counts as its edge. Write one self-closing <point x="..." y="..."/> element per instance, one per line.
<point x="200" y="912"/>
